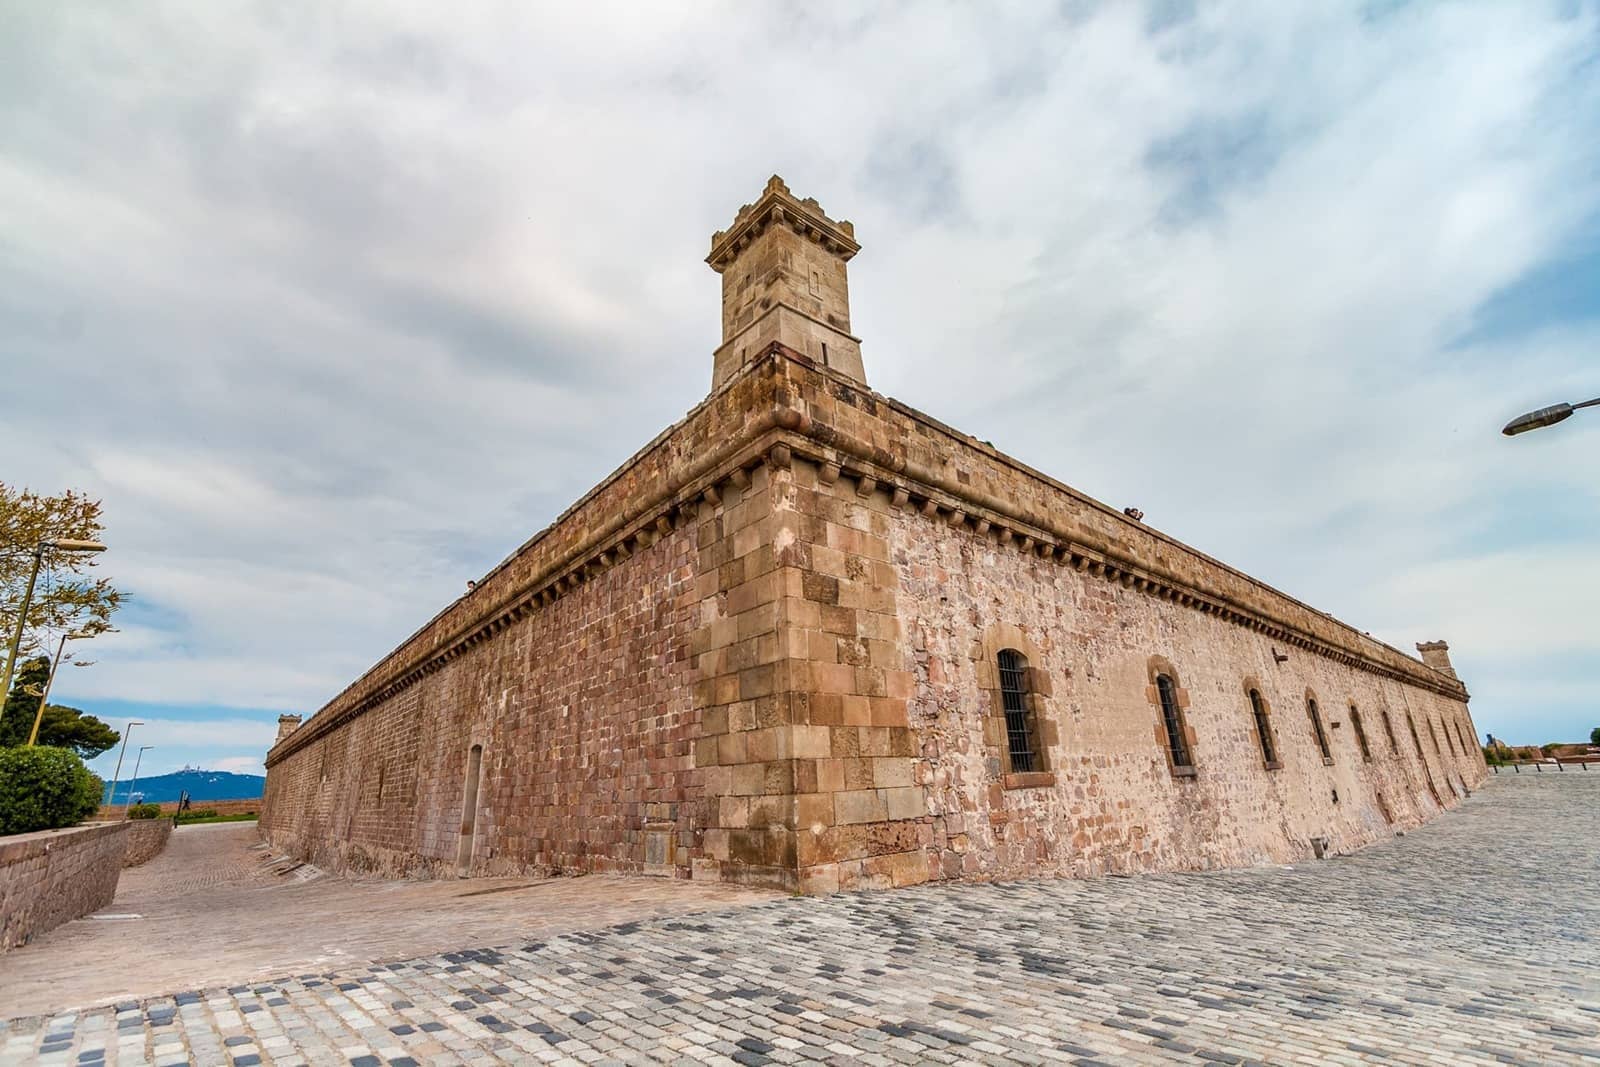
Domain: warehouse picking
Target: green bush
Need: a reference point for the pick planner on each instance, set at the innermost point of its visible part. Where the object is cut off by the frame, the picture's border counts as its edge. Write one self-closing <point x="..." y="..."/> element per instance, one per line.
<point x="44" y="788"/>
<point x="144" y="811"/>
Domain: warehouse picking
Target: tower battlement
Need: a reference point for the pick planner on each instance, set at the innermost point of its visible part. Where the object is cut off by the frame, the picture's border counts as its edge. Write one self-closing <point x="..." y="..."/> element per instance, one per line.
<point x="783" y="279"/>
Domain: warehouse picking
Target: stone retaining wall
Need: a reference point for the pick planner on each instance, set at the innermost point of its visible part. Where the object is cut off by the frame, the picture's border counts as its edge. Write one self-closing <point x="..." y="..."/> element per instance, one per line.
<point x="146" y="839"/>
<point x="54" y="876"/>
<point x="112" y="812"/>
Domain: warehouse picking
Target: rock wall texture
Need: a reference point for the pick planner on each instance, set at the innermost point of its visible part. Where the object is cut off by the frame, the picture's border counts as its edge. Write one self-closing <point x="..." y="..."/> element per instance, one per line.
<point x="146" y="839"/>
<point x="766" y="649"/>
<point x="54" y="876"/>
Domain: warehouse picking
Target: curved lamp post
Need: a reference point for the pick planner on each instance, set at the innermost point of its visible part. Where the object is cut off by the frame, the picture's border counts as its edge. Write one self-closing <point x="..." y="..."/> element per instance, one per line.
<point x="127" y="731"/>
<point x="50" y="680"/>
<point x="59" y="544"/>
<point x="133" y="784"/>
<point x="1549" y="416"/>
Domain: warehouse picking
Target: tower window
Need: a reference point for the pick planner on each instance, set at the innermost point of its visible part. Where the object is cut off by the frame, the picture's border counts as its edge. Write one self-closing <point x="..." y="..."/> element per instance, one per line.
<point x="1014" y="697"/>
<point x="1361" y="734"/>
<point x="1258" y="710"/>
<point x="1316" y="728"/>
<point x="1172" y="719"/>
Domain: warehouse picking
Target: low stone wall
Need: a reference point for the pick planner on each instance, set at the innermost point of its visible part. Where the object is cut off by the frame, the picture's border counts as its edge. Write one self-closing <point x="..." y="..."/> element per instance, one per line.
<point x="53" y="876"/>
<point x="221" y="807"/>
<point x="146" y="839"/>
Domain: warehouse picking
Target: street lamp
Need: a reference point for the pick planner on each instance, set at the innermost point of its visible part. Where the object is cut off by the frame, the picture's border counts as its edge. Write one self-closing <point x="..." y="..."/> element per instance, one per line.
<point x="1549" y="416"/>
<point x="60" y="544"/>
<point x="50" y="680"/>
<point x="126" y="732"/>
<point x="137" y="760"/>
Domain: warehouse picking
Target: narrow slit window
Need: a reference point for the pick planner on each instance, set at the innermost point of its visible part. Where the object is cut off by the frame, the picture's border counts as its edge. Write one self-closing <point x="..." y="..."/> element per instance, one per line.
<point x="1437" y="751"/>
<point x="1448" y="740"/>
<point x="1388" y="729"/>
<point x="1316" y="728"/>
<point x="1258" y="709"/>
<point x="1172" y="719"/>
<point x="1465" y="748"/>
<point x="1014" y="697"/>
<point x="1361" y="734"/>
<point x="1411" y="724"/>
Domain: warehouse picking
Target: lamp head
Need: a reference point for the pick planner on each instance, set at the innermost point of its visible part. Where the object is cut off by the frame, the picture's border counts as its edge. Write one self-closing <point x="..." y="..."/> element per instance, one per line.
<point x="1534" y="420"/>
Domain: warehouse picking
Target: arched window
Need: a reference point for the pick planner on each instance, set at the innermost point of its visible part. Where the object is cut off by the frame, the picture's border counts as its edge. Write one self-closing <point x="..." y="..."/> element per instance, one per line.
<point x="1019" y="723"/>
<point x="1172" y="719"/>
<point x="1316" y="728"/>
<point x="1258" y="709"/>
<point x="1361" y="734"/>
<point x="1388" y="728"/>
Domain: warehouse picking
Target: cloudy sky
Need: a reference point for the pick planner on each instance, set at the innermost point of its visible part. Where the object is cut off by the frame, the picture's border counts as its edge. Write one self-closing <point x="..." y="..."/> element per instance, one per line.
<point x="335" y="304"/>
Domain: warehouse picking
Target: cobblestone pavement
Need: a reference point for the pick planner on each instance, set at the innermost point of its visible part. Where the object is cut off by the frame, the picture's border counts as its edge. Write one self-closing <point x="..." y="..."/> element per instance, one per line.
<point x="212" y="910"/>
<point x="1471" y="940"/>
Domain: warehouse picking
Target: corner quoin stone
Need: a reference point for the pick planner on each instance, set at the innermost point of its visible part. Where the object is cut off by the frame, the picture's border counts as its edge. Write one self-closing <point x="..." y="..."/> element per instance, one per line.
<point x="763" y="650"/>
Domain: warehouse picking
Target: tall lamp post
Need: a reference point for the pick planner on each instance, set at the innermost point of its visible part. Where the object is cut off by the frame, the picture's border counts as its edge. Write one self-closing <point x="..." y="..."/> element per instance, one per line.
<point x="126" y="731"/>
<point x="137" y="760"/>
<point x="59" y="545"/>
<point x="1549" y="416"/>
<point x="50" y="680"/>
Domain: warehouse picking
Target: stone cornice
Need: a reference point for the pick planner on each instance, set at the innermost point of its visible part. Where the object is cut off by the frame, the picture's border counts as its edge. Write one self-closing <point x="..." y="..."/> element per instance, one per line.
<point x="1106" y="548"/>
<point x="760" y="416"/>
<point x="778" y="206"/>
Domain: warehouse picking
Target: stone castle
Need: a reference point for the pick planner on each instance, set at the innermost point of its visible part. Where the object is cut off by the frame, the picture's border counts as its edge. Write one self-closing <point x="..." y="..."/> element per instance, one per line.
<point x="812" y="638"/>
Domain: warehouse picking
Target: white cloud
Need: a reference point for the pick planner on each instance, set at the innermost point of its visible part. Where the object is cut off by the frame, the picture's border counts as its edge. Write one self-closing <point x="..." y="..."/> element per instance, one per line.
<point x="360" y="300"/>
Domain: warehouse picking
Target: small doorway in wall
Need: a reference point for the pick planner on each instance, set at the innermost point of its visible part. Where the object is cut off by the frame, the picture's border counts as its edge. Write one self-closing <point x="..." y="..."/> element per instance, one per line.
<point x="469" y="810"/>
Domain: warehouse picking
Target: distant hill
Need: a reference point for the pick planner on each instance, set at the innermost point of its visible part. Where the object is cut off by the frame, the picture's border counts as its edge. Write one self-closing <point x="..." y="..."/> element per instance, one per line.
<point x="201" y="785"/>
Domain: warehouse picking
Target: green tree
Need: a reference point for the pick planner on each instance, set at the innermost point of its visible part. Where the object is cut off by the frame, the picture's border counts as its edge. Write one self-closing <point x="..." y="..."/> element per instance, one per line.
<point x="61" y="727"/>
<point x="68" y="596"/>
<point x="44" y="788"/>
<point x="1594" y="736"/>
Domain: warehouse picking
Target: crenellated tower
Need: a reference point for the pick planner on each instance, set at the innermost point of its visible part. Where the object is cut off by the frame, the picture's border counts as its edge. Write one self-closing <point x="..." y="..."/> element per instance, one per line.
<point x="783" y="279"/>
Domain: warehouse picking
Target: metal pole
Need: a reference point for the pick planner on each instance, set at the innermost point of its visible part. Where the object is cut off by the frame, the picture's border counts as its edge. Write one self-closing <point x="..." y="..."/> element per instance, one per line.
<point x="136" y="761"/>
<point x="50" y="680"/>
<point x="127" y="731"/>
<point x="22" y="619"/>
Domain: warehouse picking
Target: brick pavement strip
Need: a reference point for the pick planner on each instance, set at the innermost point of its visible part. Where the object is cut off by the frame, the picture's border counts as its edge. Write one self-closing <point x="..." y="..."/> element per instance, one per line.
<point x="1468" y="941"/>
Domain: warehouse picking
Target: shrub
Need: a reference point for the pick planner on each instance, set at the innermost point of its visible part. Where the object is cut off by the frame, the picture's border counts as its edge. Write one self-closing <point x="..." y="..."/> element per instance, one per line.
<point x="44" y="788"/>
<point x="144" y="811"/>
<point x="197" y="813"/>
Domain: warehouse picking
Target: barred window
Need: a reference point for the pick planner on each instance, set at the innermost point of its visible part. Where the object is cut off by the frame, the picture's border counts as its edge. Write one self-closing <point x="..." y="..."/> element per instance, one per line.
<point x="1361" y="734"/>
<point x="1014" y="696"/>
<point x="1316" y="727"/>
<point x="1263" y="729"/>
<point x="1172" y="718"/>
<point x="1388" y="728"/>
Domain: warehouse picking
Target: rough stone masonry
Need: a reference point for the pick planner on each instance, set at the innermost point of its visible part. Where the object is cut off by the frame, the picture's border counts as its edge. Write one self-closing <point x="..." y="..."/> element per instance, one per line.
<point x="811" y="638"/>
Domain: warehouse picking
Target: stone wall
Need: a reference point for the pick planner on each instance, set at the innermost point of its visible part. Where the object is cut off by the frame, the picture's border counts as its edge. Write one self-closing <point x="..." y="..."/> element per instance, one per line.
<point x="764" y="650"/>
<point x="111" y="812"/>
<point x="146" y="839"/>
<point x="54" y="876"/>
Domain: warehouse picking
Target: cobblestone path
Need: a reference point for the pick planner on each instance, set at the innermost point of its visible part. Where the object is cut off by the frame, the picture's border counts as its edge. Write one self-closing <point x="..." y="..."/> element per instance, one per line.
<point x="1469" y="941"/>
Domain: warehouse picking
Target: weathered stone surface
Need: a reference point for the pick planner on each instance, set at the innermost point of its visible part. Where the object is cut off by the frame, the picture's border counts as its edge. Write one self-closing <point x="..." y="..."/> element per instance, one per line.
<point x="49" y="877"/>
<point x="780" y="622"/>
<point x="146" y="839"/>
